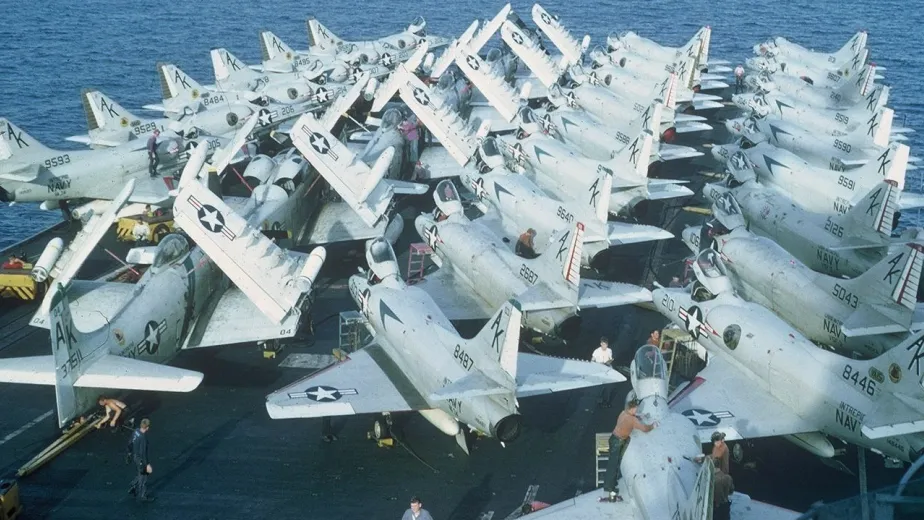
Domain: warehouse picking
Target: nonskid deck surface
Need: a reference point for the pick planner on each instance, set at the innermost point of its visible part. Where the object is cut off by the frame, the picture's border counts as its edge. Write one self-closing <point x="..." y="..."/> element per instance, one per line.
<point x="216" y="453"/>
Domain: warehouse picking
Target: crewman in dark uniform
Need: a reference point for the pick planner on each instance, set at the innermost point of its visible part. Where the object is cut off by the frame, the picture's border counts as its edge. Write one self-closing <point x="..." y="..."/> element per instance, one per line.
<point x="139" y="448"/>
<point x="153" y="160"/>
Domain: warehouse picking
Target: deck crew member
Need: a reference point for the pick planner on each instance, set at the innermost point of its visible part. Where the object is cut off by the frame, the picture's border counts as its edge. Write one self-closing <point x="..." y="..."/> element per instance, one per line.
<point x="142" y="463"/>
<point x="153" y="160"/>
<point x="604" y="355"/>
<point x="416" y="511"/>
<point x="619" y="441"/>
<point x="723" y="487"/>
<point x="113" y="407"/>
<point x="14" y="262"/>
<point x="525" y="246"/>
<point x="739" y="79"/>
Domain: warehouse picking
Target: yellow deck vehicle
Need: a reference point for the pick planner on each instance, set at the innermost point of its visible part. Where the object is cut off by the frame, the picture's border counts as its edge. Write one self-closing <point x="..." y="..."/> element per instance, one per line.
<point x="154" y="227"/>
<point x="18" y="283"/>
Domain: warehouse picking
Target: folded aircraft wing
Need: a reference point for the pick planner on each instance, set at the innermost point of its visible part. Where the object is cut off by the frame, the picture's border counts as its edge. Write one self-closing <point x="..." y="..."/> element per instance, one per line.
<point x="337" y="222"/>
<point x="109" y="371"/>
<point x="723" y="399"/>
<point x="235" y="319"/>
<point x="273" y="278"/>
<point x="538" y="375"/>
<point x="438" y="163"/>
<point x="367" y="381"/>
<point x="598" y="293"/>
<point x="454" y="300"/>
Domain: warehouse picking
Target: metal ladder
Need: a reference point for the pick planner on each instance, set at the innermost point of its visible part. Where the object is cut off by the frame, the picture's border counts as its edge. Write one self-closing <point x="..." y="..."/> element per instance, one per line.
<point x="353" y="332"/>
<point x="602" y="456"/>
<point x="417" y="261"/>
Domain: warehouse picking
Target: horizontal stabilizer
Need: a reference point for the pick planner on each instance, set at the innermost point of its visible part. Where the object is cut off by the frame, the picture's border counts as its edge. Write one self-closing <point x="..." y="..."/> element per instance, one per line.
<point x="474" y="384"/>
<point x="596" y="294"/>
<point x="662" y="191"/>
<point x="541" y="297"/>
<point x="673" y="152"/>
<point x="538" y="375"/>
<point x="112" y="371"/>
<point x="109" y="371"/>
<point x="621" y="233"/>
<point x="688" y="128"/>
<point x="32" y="370"/>
<point x="867" y="321"/>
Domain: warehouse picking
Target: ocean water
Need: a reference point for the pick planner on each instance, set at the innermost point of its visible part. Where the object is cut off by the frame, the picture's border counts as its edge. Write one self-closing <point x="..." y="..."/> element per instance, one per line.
<point x="53" y="49"/>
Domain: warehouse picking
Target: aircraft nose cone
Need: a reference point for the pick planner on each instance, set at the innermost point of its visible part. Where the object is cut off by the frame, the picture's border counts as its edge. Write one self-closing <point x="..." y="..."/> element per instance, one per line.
<point x="721" y="152"/>
<point x="690" y="237"/>
<point x="735" y="126"/>
<point x="421" y="223"/>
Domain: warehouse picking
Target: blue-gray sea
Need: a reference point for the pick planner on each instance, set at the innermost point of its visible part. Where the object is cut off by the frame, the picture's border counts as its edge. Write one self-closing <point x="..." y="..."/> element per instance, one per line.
<point x="52" y="49"/>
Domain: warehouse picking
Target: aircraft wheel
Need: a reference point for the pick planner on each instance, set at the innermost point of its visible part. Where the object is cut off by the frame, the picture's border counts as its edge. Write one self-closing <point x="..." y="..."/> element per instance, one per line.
<point x="737" y="452"/>
<point x="379" y="429"/>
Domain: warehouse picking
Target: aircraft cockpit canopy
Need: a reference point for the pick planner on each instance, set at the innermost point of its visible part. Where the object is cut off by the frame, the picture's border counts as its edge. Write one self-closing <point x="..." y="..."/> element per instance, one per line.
<point x="418" y="26"/>
<point x="494" y="55"/>
<point x="381" y="252"/>
<point x="447" y="192"/>
<point x="649" y="364"/>
<point x="392" y="118"/>
<point x="171" y="250"/>
<point x="708" y="261"/>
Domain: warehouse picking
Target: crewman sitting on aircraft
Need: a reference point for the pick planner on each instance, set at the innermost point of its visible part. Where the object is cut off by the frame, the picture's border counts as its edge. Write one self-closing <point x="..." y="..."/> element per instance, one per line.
<point x="152" y="153"/>
<point x="14" y="263"/>
<point x="113" y="407"/>
<point x="618" y="443"/>
<point x="525" y="246"/>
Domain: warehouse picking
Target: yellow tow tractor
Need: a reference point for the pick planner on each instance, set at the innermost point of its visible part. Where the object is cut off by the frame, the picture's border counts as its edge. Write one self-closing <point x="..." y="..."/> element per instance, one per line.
<point x="146" y="227"/>
<point x="18" y="283"/>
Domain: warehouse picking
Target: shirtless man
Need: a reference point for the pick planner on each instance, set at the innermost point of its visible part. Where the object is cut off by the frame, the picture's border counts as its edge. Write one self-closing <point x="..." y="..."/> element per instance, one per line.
<point x="113" y="407"/>
<point x="619" y="441"/>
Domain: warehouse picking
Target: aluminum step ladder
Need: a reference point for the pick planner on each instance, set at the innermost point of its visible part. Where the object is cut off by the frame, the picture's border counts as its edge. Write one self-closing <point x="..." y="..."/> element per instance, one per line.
<point x="417" y="262"/>
<point x="602" y="456"/>
<point x="353" y="332"/>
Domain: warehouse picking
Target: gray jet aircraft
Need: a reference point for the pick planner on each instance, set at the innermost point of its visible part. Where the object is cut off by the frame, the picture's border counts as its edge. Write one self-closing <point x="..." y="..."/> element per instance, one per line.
<point x="418" y="362"/>
<point x="478" y="272"/>
<point x="874" y="404"/>
<point x="867" y="314"/>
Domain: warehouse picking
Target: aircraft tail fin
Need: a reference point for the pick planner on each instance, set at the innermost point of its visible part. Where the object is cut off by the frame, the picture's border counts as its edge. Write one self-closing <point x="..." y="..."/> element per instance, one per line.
<point x="631" y="163"/>
<point x="649" y="120"/>
<point x="856" y="43"/>
<point x="72" y="352"/>
<point x="229" y="69"/>
<point x="878" y="127"/>
<point x="83" y="366"/>
<point x="896" y="382"/>
<point x="561" y="259"/>
<point x="704" y="51"/>
<point x="103" y="113"/>
<point x="177" y="86"/>
<point x="860" y="87"/>
<point x="871" y="218"/>
<point x="16" y="144"/>
<point x="272" y="48"/>
<point x="892" y="164"/>
<point x="500" y="340"/>
<point x="884" y="297"/>
<point x="321" y="37"/>
<point x="598" y="194"/>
